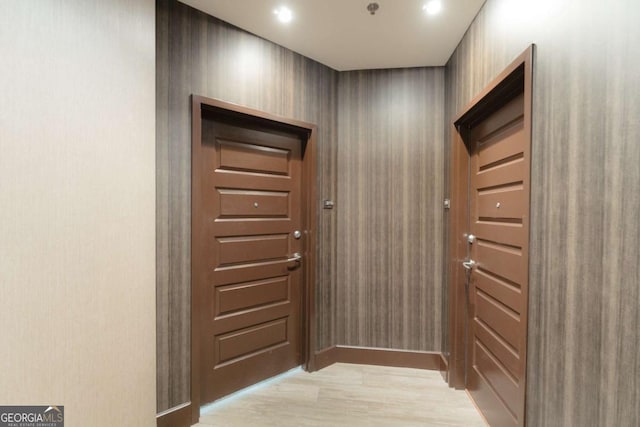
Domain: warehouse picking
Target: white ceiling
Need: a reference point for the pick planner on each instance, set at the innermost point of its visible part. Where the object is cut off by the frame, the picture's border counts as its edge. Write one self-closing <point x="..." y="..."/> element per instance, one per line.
<point x="343" y="35"/>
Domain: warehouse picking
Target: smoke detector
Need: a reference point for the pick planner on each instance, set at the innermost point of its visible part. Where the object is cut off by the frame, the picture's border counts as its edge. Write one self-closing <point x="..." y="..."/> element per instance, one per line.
<point x="373" y="7"/>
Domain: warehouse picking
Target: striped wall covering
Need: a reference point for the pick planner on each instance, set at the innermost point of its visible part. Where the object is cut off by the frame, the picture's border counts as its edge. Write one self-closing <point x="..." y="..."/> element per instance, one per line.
<point x="390" y="214"/>
<point x="584" y="316"/>
<point x="199" y="54"/>
<point x="397" y="303"/>
<point x="383" y="157"/>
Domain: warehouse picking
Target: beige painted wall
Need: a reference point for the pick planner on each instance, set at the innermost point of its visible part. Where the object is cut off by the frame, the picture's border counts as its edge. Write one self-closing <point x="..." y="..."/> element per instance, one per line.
<point x="77" y="208"/>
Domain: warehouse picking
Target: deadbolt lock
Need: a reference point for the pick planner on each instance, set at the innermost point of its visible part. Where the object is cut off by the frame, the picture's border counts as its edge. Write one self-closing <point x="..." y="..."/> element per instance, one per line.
<point x="297" y="234"/>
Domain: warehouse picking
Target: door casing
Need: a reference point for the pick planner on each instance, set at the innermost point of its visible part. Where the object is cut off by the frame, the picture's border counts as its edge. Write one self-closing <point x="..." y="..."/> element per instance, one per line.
<point x="517" y="77"/>
<point x="308" y="134"/>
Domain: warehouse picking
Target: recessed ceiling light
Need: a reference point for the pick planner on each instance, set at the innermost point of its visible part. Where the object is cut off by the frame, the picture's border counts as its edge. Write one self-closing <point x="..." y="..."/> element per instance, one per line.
<point x="433" y="7"/>
<point x="284" y="14"/>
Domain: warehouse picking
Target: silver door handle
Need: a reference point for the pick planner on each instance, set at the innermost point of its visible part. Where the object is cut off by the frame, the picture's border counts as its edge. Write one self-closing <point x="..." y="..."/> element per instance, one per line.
<point x="469" y="264"/>
<point x="296" y="257"/>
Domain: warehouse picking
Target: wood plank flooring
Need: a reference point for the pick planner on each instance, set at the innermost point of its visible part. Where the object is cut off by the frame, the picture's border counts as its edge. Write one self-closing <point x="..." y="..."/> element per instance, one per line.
<point x="345" y="394"/>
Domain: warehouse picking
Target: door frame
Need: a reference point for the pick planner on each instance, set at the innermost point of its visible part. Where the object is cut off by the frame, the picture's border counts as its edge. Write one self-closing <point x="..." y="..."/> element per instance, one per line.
<point x="516" y="78"/>
<point x="308" y="133"/>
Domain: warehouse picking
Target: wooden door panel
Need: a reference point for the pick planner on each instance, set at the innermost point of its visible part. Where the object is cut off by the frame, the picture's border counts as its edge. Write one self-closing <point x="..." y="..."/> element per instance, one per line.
<point x="250" y="317"/>
<point x="499" y="210"/>
<point x="233" y="227"/>
<point x="509" y="172"/>
<point x="503" y="321"/>
<point x="500" y="380"/>
<point x="251" y="249"/>
<point x="500" y="119"/>
<point x="493" y="409"/>
<point x="249" y="272"/>
<point x="500" y="260"/>
<point x="502" y="202"/>
<point x="253" y="158"/>
<point x="504" y="145"/>
<point x="497" y="346"/>
<point x="508" y="233"/>
<point x="231" y="299"/>
<point x="248" y="341"/>
<point x="240" y="372"/>
<point x="503" y="291"/>
<point x="250" y="136"/>
<point x="227" y="179"/>
<point x="251" y="202"/>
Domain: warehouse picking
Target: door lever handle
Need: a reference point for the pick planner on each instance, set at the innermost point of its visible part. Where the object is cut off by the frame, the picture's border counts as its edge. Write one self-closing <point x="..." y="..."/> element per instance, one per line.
<point x="469" y="264"/>
<point x="296" y="257"/>
<point x="294" y="261"/>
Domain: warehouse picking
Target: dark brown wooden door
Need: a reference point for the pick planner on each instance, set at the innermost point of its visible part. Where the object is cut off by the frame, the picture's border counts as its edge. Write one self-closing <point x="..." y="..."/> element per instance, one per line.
<point x="499" y="210"/>
<point x="251" y="202"/>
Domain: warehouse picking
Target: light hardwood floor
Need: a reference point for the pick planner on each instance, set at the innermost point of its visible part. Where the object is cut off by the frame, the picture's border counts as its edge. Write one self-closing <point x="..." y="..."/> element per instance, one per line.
<point x="345" y="394"/>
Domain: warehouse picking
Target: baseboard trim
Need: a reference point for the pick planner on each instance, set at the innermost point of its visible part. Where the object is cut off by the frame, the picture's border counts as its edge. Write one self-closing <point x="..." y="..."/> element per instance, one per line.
<point x="444" y="368"/>
<point x="179" y="416"/>
<point x="379" y="356"/>
<point x="324" y="358"/>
